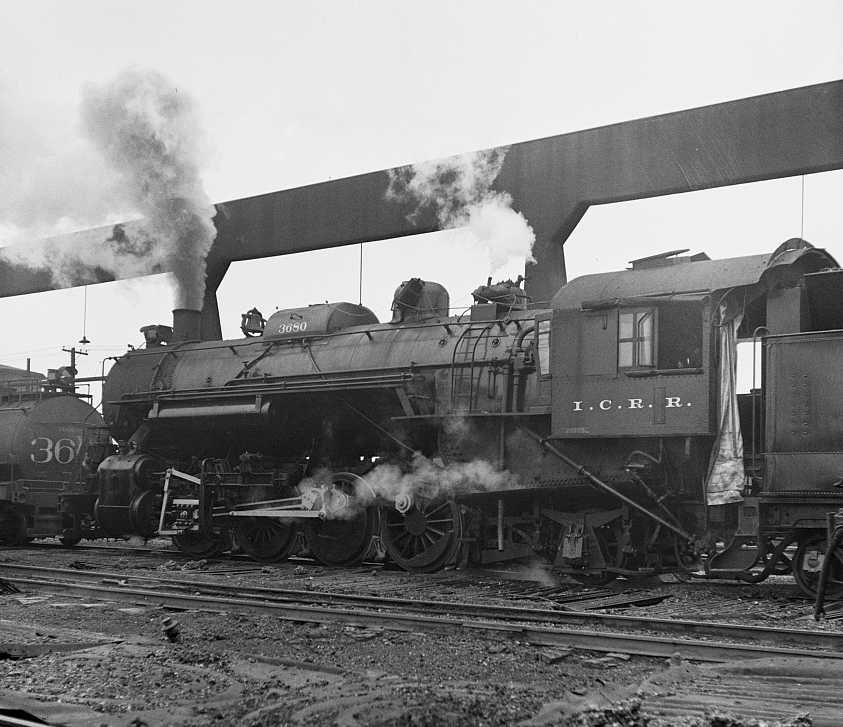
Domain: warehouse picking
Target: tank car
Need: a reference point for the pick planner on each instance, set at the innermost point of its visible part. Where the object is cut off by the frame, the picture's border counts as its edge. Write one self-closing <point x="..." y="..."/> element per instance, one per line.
<point x="51" y="442"/>
<point x="603" y="431"/>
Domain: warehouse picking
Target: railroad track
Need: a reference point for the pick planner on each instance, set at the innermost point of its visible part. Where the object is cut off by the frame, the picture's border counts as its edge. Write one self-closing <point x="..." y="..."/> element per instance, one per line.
<point x="173" y="554"/>
<point x="641" y="636"/>
<point x="168" y="552"/>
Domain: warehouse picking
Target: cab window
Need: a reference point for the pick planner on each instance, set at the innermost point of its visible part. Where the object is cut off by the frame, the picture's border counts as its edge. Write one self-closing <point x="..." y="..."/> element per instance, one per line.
<point x="636" y="338"/>
<point x="543" y="347"/>
<point x="667" y="337"/>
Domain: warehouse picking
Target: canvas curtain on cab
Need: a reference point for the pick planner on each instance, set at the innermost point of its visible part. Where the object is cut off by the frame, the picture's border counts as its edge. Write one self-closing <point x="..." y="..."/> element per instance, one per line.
<point x="726" y="476"/>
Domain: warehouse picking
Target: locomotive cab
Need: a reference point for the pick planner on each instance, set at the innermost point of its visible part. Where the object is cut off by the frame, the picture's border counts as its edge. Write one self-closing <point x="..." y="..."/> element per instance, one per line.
<point x="644" y="391"/>
<point x="640" y="366"/>
<point x="651" y="351"/>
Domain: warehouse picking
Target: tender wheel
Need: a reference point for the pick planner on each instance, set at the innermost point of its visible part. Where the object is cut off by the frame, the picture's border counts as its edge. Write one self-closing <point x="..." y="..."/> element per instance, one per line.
<point x="266" y="540"/>
<point x="200" y="545"/>
<point x="425" y="538"/>
<point x="12" y="526"/>
<point x="345" y="540"/>
<point x="808" y="562"/>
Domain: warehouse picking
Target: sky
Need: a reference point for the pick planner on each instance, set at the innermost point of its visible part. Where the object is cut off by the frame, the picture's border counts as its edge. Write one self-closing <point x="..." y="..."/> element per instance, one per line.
<point x="290" y="93"/>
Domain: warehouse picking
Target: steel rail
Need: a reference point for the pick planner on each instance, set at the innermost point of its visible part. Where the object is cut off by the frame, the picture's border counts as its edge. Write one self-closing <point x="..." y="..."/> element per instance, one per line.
<point x="7" y="720"/>
<point x="760" y="634"/>
<point x="694" y="579"/>
<point x="601" y="641"/>
<point x="134" y="550"/>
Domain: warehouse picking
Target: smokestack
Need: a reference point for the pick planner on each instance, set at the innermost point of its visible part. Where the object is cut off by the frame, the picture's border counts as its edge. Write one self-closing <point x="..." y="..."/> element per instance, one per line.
<point x="186" y="323"/>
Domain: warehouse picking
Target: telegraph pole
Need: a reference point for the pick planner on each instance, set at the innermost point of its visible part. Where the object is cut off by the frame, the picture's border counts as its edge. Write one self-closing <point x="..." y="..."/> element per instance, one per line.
<point x="73" y="351"/>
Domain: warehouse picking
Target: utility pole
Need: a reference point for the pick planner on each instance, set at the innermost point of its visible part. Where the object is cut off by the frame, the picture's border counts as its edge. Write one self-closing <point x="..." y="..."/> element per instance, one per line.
<point x="73" y="352"/>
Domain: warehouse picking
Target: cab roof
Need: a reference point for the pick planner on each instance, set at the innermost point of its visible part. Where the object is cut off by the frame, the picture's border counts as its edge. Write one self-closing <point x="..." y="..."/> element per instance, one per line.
<point x="690" y="277"/>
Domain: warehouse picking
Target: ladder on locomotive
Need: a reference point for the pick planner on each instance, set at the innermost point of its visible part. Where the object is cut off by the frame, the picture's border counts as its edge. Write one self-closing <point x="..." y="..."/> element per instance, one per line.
<point x="463" y="366"/>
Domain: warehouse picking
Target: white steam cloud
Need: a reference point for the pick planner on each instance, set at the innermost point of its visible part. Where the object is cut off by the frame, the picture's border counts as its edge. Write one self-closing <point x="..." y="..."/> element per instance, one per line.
<point x="52" y="180"/>
<point x="431" y="479"/>
<point x="138" y="155"/>
<point x="426" y="480"/>
<point x="92" y="256"/>
<point x="459" y="190"/>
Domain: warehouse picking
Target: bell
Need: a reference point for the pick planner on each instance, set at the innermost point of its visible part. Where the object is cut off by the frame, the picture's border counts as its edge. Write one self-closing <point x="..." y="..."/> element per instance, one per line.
<point x="252" y="323"/>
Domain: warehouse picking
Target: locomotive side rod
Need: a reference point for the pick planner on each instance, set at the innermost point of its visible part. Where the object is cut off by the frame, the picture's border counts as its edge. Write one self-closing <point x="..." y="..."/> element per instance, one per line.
<point x="581" y="470"/>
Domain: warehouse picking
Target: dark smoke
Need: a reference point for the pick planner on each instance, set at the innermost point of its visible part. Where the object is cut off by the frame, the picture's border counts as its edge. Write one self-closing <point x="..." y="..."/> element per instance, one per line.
<point x="148" y="132"/>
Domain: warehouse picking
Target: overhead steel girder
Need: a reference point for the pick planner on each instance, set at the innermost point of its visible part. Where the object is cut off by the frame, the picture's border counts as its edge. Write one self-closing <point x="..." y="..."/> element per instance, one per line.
<point x="552" y="181"/>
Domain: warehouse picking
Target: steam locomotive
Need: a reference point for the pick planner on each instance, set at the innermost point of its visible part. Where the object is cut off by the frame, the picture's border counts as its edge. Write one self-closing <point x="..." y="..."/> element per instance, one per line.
<point x="50" y="444"/>
<point x="604" y="432"/>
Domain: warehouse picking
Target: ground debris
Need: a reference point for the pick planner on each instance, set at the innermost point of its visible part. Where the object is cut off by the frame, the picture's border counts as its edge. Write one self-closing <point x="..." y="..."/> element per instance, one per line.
<point x="624" y="714"/>
<point x="592" y="710"/>
<point x="725" y="719"/>
<point x="551" y="656"/>
<point x="29" y="600"/>
<point x="595" y="710"/>
<point x="201" y="564"/>
<point x="170" y="627"/>
<point x="603" y="661"/>
<point x="239" y="670"/>
<point x="80" y="565"/>
<point x="365" y="634"/>
<point x="8" y="587"/>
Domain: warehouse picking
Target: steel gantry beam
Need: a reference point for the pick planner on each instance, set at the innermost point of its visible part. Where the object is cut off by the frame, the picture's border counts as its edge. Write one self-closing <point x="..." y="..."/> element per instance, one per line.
<point x="552" y="181"/>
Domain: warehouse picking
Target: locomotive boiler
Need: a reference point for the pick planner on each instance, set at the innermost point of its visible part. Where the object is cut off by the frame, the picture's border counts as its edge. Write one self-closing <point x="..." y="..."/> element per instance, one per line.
<point x="604" y="431"/>
<point x="50" y="444"/>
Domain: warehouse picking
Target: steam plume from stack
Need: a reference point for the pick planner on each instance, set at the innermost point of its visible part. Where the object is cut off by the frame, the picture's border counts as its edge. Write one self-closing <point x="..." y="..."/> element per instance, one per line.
<point x="138" y="157"/>
<point x="147" y="130"/>
<point x="459" y="190"/>
<point x="52" y="180"/>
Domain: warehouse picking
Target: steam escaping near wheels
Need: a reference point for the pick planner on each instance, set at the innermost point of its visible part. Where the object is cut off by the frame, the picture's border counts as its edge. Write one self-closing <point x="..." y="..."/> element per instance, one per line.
<point x="426" y="480"/>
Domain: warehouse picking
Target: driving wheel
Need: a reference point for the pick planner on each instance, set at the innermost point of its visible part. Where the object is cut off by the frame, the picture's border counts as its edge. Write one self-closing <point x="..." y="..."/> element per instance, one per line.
<point x="424" y="538"/>
<point x="345" y="538"/>
<point x="265" y="539"/>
